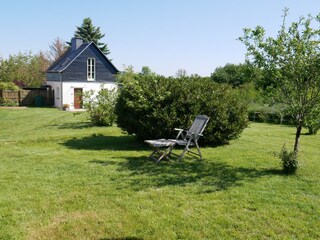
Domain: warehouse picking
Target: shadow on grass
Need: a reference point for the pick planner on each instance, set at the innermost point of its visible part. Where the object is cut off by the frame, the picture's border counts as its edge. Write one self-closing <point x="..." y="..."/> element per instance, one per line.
<point x="101" y="142"/>
<point x="75" y="125"/>
<point x="208" y="176"/>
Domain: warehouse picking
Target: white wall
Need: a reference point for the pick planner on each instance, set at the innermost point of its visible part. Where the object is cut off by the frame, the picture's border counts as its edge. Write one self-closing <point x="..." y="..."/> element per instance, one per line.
<point x="68" y="90"/>
<point x="56" y="86"/>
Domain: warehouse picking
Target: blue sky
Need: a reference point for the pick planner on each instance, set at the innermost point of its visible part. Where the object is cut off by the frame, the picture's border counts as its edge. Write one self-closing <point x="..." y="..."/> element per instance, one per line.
<point x="166" y="35"/>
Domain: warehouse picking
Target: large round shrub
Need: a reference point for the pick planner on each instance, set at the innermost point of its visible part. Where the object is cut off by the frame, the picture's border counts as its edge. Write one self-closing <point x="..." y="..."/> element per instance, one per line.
<point x="152" y="106"/>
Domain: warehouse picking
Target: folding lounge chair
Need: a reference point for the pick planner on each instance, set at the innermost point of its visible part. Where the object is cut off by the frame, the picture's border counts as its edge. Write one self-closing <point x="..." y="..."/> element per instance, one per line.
<point x="189" y="138"/>
<point x="161" y="149"/>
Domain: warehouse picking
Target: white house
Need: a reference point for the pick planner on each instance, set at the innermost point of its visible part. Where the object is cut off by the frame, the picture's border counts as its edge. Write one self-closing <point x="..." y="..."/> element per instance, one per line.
<point x="82" y="68"/>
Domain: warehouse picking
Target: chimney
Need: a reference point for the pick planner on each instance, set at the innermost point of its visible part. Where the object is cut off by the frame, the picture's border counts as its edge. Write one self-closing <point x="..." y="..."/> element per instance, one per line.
<point x="76" y="43"/>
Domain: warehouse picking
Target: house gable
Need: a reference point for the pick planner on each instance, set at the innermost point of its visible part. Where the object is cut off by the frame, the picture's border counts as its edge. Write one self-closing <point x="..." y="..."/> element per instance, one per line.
<point x="72" y="66"/>
<point x="77" y="70"/>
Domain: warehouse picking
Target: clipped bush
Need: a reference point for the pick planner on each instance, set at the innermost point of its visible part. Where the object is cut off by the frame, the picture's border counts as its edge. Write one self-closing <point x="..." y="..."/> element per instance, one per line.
<point x="152" y="106"/>
<point x="100" y="106"/>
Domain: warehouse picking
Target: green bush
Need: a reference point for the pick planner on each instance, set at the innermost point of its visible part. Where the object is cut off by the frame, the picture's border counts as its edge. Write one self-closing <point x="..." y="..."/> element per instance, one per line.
<point x="100" y="108"/>
<point x="312" y="122"/>
<point x="289" y="160"/>
<point x="8" y="86"/>
<point x="152" y="106"/>
<point x="8" y="102"/>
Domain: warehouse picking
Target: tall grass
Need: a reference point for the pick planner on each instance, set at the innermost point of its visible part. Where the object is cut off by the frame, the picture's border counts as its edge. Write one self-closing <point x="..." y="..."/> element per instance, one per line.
<point x="62" y="178"/>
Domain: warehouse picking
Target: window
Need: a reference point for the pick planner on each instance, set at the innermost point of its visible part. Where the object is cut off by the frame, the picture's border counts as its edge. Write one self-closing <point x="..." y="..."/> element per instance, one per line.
<point x="91" y="69"/>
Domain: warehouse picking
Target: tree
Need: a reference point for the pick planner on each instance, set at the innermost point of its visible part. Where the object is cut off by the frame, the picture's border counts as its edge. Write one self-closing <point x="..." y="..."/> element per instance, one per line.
<point x="145" y="70"/>
<point x="291" y="63"/>
<point x="90" y="33"/>
<point x="56" y="49"/>
<point x="181" y="73"/>
<point x="26" y="70"/>
<point x="236" y="75"/>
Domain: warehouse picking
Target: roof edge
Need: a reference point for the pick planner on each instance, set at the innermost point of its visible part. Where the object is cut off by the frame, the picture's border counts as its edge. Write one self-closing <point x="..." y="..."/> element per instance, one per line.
<point x="105" y="56"/>
<point x="74" y="58"/>
<point x="88" y="44"/>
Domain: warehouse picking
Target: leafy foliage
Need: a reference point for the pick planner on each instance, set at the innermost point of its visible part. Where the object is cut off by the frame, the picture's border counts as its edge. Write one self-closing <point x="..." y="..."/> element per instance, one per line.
<point x="312" y="122"/>
<point x="90" y="33"/>
<point x="8" y="86"/>
<point x="100" y="107"/>
<point x="289" y="160"/>
<point x="151" y="106"/>
<point x="27" y="69"/>
<point x="8" y="102"/>
<point x="291" y="66"/>
<point x="236" y="75"/>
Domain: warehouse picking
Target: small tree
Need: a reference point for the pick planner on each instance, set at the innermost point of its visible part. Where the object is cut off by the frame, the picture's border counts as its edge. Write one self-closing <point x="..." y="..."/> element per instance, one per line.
<point x="56" y="49"/>
<point x="90" y="33"/>
<point x="181" y="73"/>
<point x="146" y="71"/>
<point x="291" y="63"/>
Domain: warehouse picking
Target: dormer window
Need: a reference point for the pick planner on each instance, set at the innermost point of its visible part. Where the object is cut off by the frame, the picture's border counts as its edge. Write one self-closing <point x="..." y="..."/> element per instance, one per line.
<point x="91" y="65"/>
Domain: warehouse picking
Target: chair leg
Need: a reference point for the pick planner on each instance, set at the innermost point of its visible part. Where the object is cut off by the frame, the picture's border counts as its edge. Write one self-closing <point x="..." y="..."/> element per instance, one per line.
<point x="186" y="149"/>
<point x="198" y="148"/>
<point x="158" y="154"/>
<point x="183" y="153"/>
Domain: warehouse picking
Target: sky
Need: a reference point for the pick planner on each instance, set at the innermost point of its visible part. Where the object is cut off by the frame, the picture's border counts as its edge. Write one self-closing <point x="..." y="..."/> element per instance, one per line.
<point x="166" y="35"/>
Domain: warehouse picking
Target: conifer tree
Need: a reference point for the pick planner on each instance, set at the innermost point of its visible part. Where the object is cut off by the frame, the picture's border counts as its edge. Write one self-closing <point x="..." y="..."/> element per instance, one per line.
<point x="90" y="33"/>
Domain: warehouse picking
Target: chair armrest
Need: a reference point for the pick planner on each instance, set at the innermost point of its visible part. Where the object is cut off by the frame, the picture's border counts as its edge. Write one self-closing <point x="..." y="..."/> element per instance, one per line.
<point x="180" y="132"/>
<point x="196" y="135"/>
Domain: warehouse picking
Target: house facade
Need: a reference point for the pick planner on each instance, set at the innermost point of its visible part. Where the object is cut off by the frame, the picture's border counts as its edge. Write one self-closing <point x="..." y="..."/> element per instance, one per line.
<point x="82" y="68"/>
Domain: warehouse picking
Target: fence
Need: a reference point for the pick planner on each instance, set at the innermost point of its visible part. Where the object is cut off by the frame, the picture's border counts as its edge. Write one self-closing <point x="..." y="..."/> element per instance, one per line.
<point x="29" y="97"/>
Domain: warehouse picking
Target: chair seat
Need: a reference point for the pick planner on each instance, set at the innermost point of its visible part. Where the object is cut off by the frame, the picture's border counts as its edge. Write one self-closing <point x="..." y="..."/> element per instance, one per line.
<point x="160" y="143"/>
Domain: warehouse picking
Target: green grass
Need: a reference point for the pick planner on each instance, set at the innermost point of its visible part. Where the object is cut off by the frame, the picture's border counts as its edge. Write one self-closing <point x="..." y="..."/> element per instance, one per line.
<point x="61" y="178"/>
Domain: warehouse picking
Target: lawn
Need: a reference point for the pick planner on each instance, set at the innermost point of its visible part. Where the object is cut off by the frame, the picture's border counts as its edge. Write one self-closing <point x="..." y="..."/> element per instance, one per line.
<point x="61" y="178"/>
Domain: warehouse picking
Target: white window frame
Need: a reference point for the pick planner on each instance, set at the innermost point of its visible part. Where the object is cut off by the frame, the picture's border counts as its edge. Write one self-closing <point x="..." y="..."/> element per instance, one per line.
<point x="91" y="69"/>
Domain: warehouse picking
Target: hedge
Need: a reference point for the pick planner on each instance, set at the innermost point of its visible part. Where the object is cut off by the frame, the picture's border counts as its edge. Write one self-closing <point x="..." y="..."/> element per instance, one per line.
<point x="152" y="106"/>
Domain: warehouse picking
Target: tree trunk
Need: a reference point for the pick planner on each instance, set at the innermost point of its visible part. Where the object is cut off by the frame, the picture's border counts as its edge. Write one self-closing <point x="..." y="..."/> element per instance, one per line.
<point x="296" y="143"/>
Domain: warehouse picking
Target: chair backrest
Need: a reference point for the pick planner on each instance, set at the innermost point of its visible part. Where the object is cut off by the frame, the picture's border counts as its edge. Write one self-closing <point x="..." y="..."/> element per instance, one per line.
<point x="198" y="125"/>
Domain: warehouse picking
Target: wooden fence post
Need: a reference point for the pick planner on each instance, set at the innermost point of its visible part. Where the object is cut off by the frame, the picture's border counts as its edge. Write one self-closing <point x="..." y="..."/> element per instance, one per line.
<point x="20" y="97"/>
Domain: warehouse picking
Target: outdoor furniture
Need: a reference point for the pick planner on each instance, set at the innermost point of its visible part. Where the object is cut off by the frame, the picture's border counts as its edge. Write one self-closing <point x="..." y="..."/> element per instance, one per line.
<point x="189" y="138"/>
<point x="161" y="148"/>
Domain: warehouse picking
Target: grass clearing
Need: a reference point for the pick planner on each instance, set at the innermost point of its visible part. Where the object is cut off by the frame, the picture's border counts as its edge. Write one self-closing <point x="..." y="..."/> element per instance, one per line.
<point x="61" y="178"/>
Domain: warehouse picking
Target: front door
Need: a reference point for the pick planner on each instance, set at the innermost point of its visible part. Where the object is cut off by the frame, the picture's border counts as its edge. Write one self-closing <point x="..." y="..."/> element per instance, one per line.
<point x="78" y="98"/>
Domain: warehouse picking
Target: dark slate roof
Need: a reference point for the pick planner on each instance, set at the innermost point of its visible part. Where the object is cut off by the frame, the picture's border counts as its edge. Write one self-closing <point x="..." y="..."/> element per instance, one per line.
<point x="69" y="56"/>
